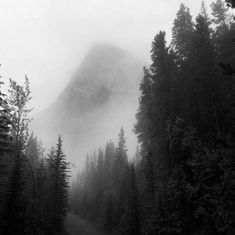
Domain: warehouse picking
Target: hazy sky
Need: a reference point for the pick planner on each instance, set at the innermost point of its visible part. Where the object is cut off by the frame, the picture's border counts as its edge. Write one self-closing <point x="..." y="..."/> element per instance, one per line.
<point x="47" y="39"/>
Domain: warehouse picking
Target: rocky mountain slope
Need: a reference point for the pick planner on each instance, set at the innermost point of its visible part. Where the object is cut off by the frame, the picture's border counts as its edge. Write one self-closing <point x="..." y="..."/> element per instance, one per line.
<point x="101" y="97"/>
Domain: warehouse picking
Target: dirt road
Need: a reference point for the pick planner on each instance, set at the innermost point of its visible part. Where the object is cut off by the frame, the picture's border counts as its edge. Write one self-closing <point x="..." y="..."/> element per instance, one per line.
<point x="78" y="226"/>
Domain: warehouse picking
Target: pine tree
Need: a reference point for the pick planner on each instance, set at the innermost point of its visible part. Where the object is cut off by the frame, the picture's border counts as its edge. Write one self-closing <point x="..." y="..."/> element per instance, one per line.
<point x="204" y="13"/>
<point x="182" y="37"/>
<point x="120" y="157"/>
<point x="162" y="77"/>
<point x="182" y="34"/>
<point x="121" y="151"/>
<point x="144" y="127"/>
<point x="58" y="169"/>
<point x="157" y="105"/>
<point x="18" y="114"/>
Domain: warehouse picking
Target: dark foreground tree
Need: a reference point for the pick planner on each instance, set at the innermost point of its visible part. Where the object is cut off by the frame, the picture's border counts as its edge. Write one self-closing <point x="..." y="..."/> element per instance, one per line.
<point x="16" y="202"/>
<point x="58" y="169"/>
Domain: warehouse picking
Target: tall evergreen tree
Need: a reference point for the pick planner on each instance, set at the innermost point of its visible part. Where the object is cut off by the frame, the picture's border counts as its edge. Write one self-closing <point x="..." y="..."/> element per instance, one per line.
<point x="16" y="203"/>
<point x="58" y="169"/>
<point x="182" y="37"/>
<point x="161" y="74"/>
<point x="144" y="127"/>
<point x="120" y="157"/>
<point x="182" y="34"/>
<point x="205" y="81"/>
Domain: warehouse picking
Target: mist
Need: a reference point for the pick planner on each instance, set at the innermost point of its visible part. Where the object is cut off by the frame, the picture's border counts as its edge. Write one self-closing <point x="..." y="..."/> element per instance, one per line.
<point x="117" y="117"/>
<point x="48" y="40"/>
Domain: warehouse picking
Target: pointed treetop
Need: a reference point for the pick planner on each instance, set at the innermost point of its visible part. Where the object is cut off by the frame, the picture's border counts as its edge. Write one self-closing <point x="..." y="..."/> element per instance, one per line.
<point x="158" y="52"/>
<point x="122" y="139"/>
<point x="59" y="144"/>
<point x="203" y="11"/>
<point x="183" y="14"/>
<point x="202" y="27"/>
<point x="122" y="149"/>
<point x="182" y="32"/>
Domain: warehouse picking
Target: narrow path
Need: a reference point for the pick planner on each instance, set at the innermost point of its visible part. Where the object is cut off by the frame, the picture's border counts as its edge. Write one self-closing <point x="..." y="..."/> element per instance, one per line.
<point x="78" y="226"/>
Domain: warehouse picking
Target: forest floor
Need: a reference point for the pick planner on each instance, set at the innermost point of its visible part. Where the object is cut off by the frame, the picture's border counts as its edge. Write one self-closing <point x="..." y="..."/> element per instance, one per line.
<point x="77" y="226"/>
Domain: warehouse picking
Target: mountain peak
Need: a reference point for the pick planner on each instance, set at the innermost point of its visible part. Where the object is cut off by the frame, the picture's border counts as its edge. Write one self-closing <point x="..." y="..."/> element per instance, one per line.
<point x="103" y="47"/>
<point x="101" y="96"/>
<point x="102" y="54"/>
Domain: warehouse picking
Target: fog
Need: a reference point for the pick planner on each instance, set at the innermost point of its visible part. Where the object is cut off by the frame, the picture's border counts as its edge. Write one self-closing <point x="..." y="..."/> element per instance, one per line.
<point x="110" y="126"/>
<point x="47" y="40"/>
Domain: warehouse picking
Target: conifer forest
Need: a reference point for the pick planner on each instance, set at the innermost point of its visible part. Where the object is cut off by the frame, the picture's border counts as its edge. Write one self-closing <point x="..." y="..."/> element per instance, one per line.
<point x="181" y="178"/>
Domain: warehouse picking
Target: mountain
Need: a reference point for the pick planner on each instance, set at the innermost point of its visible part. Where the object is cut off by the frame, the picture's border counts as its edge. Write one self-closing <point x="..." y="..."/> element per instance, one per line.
<point x="101" y="96"/>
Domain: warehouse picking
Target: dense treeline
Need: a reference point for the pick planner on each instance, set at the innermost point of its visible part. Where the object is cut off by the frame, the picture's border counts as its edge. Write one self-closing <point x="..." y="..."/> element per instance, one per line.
<point x="33" y="187"/>
<point x="183" y="179"/>
<point x="106" y="190"/>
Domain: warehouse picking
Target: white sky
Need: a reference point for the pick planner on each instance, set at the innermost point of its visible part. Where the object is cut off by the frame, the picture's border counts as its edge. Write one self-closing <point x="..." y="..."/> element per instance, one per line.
<point x="47" y="39"/>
